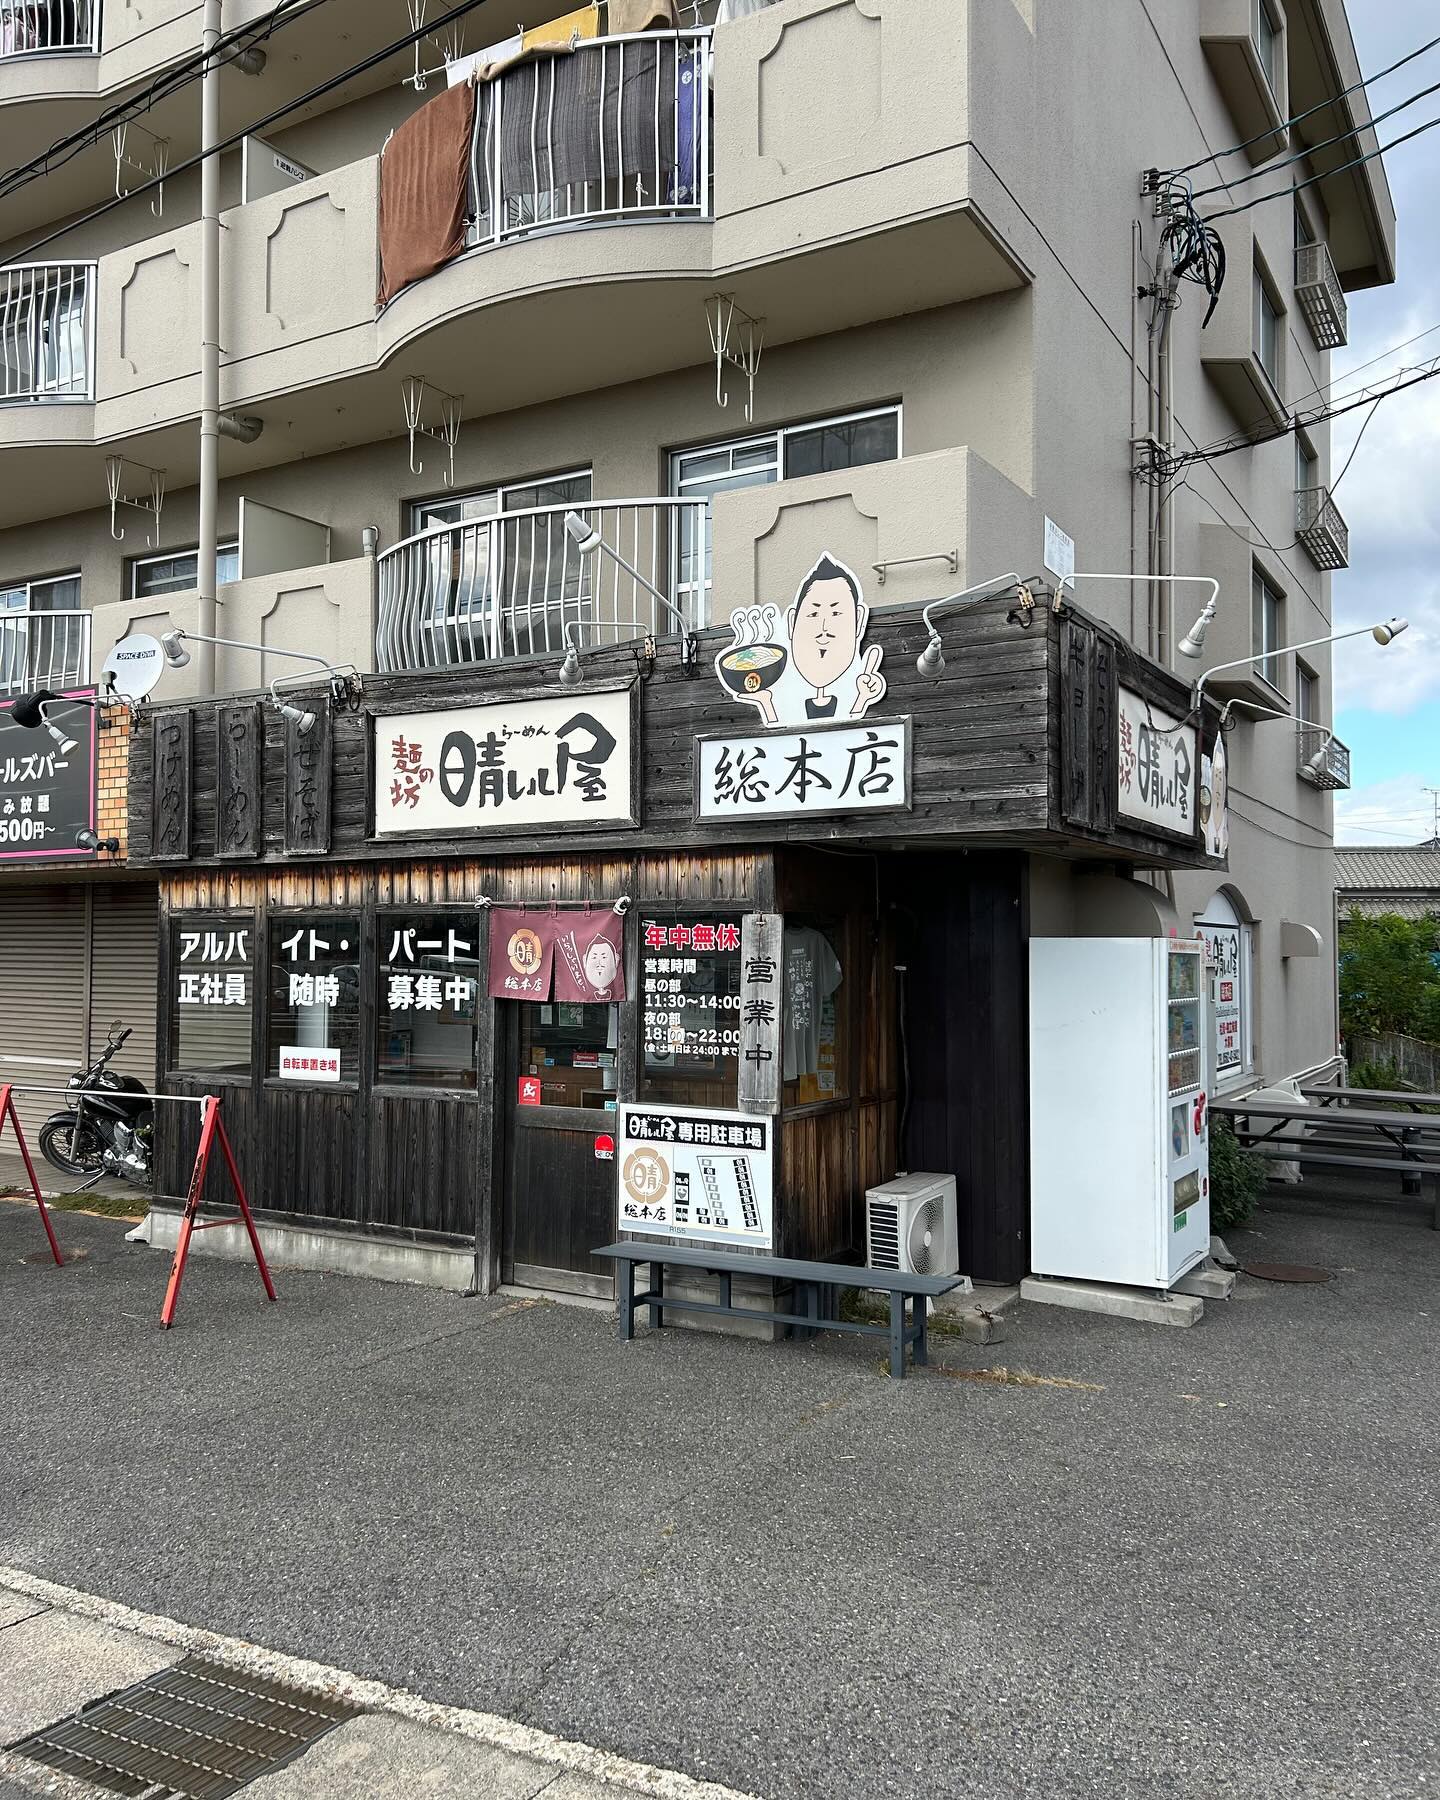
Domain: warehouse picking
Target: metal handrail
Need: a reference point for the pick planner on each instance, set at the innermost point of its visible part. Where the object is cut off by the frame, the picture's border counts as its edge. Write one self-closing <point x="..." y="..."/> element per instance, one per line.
<point x="512" y="584"/>
<point x="49" y="28"/>
<point x="47" y="332"/>
<point x="43" y="649"/>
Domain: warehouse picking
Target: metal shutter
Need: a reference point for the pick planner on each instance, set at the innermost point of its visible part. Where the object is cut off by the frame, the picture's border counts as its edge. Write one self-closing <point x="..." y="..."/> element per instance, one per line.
<point x="126" y="956"/>
<point x="42" y="995"/>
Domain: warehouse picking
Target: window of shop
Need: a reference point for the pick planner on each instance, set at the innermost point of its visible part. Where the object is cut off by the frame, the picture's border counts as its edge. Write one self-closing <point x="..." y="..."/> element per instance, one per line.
<point x="1228" y="951"/>
<point x="815" y="1041"/>
<point x="690" y="1008"/>
<point x="572" y="1052"/>
<point x="179" y="571"/>
<point x="212" y="995"/>
<point x="314" y="1024"/>
<point x="428" y="999"/>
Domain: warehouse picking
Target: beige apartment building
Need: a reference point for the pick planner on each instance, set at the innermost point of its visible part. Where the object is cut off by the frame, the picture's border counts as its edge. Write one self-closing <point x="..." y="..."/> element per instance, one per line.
<point x="739" y="283"/>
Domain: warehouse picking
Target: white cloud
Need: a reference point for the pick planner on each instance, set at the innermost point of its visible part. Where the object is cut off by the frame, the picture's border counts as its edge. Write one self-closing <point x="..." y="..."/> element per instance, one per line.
<point x="1397" y="811"/>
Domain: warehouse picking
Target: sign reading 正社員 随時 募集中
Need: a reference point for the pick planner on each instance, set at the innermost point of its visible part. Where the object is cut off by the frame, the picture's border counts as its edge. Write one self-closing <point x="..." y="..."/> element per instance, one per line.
<point x="509" y="765"/>
<point x="1156" y="766"/>
<point x="47" y="792"/>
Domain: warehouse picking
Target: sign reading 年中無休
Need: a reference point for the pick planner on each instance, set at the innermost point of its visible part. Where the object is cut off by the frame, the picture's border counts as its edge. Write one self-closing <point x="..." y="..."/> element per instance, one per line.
<point x="696" y="1173"/>
<point x="1157" y="766"/>
<point x="510" y="765"/>
<point x="47" y="792"/>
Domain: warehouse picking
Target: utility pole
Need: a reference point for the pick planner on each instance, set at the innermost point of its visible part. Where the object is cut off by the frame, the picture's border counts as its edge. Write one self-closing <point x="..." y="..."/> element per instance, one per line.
<point x="207" y="560"/>
<point x="1434" y="794"/>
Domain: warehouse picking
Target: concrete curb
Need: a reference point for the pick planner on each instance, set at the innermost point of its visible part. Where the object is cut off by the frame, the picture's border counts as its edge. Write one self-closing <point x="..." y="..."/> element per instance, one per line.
<point x="375" y="1696"/>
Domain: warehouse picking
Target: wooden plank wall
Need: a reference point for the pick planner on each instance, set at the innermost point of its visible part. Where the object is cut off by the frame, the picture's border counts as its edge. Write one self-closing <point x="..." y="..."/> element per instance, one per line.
<point x="963" y="936"/>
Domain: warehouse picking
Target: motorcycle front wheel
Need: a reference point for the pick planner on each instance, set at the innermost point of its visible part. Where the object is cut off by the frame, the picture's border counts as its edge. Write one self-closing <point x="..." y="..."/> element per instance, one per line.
<point x="73" y="1148"/>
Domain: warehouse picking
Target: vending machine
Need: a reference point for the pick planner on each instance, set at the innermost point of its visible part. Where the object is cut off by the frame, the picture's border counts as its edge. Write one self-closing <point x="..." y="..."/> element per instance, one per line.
<point x="1119" y="1132"/>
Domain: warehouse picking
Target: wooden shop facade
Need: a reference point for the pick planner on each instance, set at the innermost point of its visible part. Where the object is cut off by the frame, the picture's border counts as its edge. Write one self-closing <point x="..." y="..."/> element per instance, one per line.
<point x="485" y="961"/>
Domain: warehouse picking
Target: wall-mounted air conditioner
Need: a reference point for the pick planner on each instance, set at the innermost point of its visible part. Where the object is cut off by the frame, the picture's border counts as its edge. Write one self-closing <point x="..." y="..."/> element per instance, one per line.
<point x="911" y="1224"/>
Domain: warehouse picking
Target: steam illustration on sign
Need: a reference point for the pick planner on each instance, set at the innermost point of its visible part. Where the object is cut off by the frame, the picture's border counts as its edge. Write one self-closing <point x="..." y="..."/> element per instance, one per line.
<point x="822" y="671"/>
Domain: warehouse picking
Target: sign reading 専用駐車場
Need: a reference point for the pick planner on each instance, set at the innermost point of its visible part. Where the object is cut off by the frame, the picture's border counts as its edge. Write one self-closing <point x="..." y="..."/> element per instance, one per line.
<point x="47" y="792"/>
<point x="511" y="765"/>
<point x="691" y="1172"/>
<point x="1157" y="766"/>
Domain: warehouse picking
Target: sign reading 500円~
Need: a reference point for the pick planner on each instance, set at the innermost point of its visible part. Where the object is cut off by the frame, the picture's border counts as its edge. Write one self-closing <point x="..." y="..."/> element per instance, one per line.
<point x="510" y="765"/>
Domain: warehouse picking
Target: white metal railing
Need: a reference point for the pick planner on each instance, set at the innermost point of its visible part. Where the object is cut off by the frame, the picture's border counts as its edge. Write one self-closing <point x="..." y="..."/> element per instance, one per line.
<point x="1320" y="757"/>
<point x="47" y="332"/>
<point x="47" y="27"/>
<point x="510" y="585"/>
<point x="1321" y="297"/>
<point x="1321" y="529"/>
<point x="618" y="129"/>
<point x="43" y="650"/>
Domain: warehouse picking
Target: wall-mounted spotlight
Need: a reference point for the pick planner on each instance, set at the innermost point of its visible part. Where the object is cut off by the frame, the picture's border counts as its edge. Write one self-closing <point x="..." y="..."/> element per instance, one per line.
<point x="90" y="840"/>
<point x="32" y="713"/>
<point x="931" y="660"/>
<point x="1383" y="633"/>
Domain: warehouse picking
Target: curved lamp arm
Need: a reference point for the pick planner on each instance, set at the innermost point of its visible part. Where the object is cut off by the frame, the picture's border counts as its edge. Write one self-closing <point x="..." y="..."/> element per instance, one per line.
<point x="931" y="660"/>
<point x="1383" y="633"/>
<point x="587" y="538"/>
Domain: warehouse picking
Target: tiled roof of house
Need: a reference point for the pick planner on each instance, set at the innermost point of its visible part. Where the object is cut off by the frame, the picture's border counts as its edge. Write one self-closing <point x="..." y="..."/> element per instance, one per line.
<point x="1399" y="878"/>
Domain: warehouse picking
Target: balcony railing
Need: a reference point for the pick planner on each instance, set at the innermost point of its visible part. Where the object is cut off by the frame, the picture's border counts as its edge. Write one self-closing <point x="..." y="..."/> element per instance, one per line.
<point x="619" y="129"/>
<point x="491" y="589"/>
<point x="1320" y="297"/>
<point x="47" y="332"/>
<point x="1321" y="530"/>
<point x="1320" y="757"/>
<point x="43" y="650"/>
<point x="48" y="27"/>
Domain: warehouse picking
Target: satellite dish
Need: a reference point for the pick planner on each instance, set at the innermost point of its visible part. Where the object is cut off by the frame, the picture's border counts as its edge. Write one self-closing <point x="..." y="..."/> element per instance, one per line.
<point x="134" y="666"/>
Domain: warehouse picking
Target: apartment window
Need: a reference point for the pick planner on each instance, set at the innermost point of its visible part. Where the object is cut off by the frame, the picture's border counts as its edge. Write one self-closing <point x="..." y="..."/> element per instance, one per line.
<point x="519" y="496"/>
<point x="1267" y="42"/>
<point x="849" y="441"/>
<point x="1303" y="234"/>
<point x="1267" y="330"/>
<point x="179" y="572"/>
<point x="1267" y="619"/>
<point x="1307" y="695"/>
<point x="1307" y="467"/>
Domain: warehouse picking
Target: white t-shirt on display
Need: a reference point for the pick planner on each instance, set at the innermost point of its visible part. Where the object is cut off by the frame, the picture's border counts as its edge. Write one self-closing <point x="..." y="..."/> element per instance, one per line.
<point x="812" y="975"/>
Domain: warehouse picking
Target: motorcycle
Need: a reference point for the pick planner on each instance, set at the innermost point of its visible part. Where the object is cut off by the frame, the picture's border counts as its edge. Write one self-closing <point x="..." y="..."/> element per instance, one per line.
<point x="107" y="1128"/>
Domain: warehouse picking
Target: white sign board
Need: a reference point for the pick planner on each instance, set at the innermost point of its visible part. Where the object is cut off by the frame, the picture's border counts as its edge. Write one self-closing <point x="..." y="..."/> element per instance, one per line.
<point x="826" y="769"/>
<point x="1215" y="802"/>
<point x="695" y="1173"/>
<point x="299" y="1063"/>
<point x="513" y="765"/>
<point x="1222" y="953"/>
<point x="1059" y="551"/>
<point x="1157" y="765"/>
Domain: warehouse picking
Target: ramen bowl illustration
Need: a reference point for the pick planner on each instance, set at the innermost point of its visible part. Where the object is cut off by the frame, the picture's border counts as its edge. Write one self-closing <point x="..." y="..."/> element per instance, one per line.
<point x="753" y="667"/>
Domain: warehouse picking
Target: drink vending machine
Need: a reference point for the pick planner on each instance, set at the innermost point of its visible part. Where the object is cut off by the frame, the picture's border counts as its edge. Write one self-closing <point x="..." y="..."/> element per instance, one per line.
<point x="1119" y="1125"/>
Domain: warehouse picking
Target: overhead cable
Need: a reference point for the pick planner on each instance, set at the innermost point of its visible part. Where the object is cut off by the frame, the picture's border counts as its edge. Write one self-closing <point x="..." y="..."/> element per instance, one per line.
<point x="1355" y="162"/>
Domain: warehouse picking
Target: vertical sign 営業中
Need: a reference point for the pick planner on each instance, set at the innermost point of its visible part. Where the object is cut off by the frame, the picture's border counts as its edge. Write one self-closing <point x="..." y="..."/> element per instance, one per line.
<point x="762" y="985"/>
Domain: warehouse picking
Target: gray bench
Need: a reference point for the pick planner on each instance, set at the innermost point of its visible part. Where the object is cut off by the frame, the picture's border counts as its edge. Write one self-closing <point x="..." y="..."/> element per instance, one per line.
<point x="1344" y="1136"/>
<point x="817" y="1286"/>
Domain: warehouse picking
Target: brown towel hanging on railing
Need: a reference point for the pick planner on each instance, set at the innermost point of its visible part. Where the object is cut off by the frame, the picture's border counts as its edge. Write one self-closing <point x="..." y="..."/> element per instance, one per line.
<point x="624" y="16"/>
<point x="424" y="183"/>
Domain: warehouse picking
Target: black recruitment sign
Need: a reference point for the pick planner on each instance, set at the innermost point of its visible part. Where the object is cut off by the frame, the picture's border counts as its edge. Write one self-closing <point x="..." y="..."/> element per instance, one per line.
<point x="48" y="784"/>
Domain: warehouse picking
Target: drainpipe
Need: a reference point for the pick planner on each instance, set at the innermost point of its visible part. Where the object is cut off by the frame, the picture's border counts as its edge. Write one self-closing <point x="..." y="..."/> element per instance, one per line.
<point x="205" y="575"/>
<point x="1162" y="560"/>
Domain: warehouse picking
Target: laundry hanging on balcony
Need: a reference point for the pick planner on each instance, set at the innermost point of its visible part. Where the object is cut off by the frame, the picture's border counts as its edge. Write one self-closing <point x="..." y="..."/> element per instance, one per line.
<point x="561" y="32"/>
<point x="424" y="186"/>
<point x="623" y="17"/>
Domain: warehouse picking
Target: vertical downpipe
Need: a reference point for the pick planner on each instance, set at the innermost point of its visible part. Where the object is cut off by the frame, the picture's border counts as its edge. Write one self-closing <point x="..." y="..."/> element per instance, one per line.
<point x="206" y="572"/>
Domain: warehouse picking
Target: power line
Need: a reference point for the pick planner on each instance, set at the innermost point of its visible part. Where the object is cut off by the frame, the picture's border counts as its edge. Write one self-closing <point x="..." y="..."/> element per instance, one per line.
<point x="1384" y="356"/>
<point x="1297" y="118"/>
<point x="433" y="27"/>
<point x="229" y="49"/>
<point x="1355" y="162"/>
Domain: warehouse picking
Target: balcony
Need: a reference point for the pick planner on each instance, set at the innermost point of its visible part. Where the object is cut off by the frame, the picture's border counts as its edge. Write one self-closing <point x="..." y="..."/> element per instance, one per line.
<point x="43" y="650"/>
<point x="1320" y="529"/>
<point x="488" y="590"/>
<point x="49" y="27"/>
<point x="47" y="332"/>
<point x="1320" y="297"/>
<point x="1320" y="757"/>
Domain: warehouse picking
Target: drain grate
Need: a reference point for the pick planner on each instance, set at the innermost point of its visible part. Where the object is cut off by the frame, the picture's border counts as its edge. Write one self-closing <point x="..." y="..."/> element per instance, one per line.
<point x="197" y="1731"/>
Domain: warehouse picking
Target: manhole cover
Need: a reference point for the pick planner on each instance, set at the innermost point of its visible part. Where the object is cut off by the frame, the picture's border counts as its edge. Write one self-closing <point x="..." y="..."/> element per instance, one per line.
<point x="1284" y="1272"/>
<point x="197" y="1731"/>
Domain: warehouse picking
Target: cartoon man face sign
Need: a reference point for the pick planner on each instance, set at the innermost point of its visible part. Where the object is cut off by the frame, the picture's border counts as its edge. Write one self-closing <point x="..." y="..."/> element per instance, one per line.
<point x="823" y="671"/>
<point x="601" y="964"/>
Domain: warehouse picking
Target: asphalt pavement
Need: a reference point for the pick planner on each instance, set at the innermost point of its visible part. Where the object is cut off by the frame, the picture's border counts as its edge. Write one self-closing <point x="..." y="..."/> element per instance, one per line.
<point x="1181" y="1563"/>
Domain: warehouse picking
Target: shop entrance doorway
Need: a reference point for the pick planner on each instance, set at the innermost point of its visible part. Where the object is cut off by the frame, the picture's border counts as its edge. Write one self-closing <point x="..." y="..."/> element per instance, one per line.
<point x="559" y="1184"/>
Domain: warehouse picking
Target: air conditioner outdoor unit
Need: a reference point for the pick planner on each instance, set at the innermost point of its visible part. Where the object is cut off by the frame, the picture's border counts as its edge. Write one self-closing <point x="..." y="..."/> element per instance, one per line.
<point x="911" y="1225"/>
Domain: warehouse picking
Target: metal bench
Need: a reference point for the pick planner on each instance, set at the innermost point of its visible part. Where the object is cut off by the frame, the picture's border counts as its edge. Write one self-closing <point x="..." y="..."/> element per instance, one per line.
<point x="817" y="1284"/>
<point x="1343" y="1136"/>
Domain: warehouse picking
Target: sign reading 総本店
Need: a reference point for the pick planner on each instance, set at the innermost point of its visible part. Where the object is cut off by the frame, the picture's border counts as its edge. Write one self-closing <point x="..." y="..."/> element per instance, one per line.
<point x="691" y="1172"/>
<point x="47" y="791"/>
<point x="1157" y="766"/>
<point x="509" y="765"/>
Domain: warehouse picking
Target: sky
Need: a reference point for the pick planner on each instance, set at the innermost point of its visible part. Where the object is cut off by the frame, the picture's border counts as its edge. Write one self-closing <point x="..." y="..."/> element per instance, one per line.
<point x="1387" y="702"/>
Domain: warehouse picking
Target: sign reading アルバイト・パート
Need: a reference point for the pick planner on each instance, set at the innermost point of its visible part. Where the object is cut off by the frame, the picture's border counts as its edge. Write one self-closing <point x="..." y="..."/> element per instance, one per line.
<point x="1157" y="766"/>
<point x="47" y="788"/>
<point x="691" y="1172"/>
<point x="511" y="765"/>
<point x="816" y="749"/>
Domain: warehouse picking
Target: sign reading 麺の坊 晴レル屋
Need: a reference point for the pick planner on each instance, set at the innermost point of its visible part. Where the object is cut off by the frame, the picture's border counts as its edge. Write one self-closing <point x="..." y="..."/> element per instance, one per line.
<point x="1157" y="766"/>
<point x="510" y="765"/>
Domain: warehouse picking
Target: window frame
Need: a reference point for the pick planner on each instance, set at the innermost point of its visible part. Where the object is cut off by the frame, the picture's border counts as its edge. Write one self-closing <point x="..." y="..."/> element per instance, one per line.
<point x="1263" y="591"/>
<point x="1267" y="34"/>
<point x="276" y="918"/>
<point x="1266" y="306"/>
<point x="416" y="509"/>
<point x="385" y="918"/>
<point x="211" y="919"/>
<point x="136" y="563"/>
<point x="1307" y="679"/>
<point x="27" y="587"/>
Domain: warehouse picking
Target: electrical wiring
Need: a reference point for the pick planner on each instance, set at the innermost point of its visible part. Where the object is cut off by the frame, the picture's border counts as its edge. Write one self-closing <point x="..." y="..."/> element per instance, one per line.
<point x="229" y="49"/>
<point x="1196" y="253"/>
<point x="1286" y="193"/>
<point x="1310" y="111"/>
<point x="1384" y="356"/>
<point x="376" y="57"/>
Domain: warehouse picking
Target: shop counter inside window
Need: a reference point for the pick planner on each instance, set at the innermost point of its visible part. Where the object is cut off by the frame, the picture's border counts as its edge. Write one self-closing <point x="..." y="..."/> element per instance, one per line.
<point x="568" y="1054"/>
